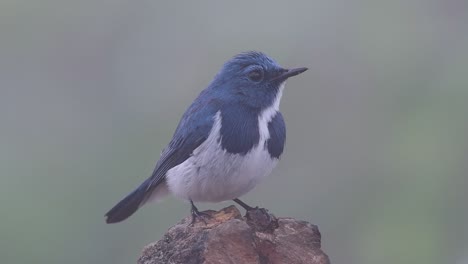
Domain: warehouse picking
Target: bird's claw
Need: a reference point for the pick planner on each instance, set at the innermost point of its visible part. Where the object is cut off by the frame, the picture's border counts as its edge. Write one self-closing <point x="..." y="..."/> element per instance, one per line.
<point x="199" y="215"/>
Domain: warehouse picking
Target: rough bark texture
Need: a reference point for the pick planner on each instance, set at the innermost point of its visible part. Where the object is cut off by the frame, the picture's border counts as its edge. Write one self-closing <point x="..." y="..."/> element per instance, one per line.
<point x="227" y="237"/>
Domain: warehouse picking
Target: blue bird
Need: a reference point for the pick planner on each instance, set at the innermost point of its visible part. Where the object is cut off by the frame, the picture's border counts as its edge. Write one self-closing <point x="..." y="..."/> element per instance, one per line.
<point x="227" y="141"/>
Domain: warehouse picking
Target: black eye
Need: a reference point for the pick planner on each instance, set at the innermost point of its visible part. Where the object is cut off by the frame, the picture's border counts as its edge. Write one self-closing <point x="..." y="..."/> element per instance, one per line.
<point x="255" y="75"/>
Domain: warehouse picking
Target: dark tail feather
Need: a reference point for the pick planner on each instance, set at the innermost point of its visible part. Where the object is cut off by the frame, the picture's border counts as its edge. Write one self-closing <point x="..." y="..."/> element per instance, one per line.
<point x="128" y="205"/>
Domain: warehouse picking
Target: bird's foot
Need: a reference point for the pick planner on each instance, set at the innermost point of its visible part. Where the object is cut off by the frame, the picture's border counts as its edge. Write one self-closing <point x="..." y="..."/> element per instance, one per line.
<point x="244" y="205"/>
<point x="259" y="217"/>
<point x="196" y="214"/>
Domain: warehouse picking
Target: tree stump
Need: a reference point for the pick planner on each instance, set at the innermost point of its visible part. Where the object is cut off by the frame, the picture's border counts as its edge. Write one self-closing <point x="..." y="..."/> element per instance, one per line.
<point x="227" y="237"/>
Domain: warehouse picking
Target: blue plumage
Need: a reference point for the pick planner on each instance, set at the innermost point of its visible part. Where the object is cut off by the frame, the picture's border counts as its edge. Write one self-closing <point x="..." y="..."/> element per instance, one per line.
<point x="277" y="129"/>
<point x="230" y="137"/>
<point x="239" y="129"/>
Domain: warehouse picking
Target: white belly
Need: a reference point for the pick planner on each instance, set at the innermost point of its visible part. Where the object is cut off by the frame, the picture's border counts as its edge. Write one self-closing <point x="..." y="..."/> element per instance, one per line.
<point x="213" y="175"/>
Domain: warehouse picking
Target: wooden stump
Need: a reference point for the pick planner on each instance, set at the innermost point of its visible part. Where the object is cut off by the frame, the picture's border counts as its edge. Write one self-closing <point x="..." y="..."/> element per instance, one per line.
<point x="227" y="237"/>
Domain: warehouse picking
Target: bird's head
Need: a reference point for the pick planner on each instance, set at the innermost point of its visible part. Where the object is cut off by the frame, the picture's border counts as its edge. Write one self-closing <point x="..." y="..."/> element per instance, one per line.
<point x="252" y="79"/>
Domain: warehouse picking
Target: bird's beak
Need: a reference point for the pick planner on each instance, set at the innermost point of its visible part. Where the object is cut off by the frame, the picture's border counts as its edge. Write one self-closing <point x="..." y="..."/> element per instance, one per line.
<point x="290" y="73"/>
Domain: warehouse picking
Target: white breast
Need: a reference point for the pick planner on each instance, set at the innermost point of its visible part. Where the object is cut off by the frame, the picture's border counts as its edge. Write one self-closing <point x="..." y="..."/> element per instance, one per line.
<point x="213" y="175"/>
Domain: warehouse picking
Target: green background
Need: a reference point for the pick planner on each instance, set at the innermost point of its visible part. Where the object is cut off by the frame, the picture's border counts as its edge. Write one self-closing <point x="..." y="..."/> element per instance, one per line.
<point x="376" y="152"/>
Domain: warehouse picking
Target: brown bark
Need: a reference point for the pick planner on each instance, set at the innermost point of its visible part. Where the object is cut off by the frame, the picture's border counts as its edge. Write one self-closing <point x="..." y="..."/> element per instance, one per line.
<point x="227" y="237"/>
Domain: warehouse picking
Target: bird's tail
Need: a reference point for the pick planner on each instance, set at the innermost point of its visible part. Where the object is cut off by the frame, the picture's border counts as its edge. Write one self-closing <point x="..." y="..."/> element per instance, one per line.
<point x="129" y="204"/>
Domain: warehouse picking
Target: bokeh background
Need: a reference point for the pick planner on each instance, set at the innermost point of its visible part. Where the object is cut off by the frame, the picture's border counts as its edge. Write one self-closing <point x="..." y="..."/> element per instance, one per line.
<point x="377" y="149"/>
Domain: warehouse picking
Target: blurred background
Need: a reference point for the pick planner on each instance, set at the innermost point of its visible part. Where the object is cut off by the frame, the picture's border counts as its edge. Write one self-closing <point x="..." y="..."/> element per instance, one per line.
<point x="376" y="153"/>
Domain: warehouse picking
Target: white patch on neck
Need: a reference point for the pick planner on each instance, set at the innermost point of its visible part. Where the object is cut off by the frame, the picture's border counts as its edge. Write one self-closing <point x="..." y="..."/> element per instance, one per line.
<point x="267" y="115"/>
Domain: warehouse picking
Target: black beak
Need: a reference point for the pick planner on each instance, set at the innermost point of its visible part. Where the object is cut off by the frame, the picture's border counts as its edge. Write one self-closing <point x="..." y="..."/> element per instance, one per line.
<point x="290" y="73"/>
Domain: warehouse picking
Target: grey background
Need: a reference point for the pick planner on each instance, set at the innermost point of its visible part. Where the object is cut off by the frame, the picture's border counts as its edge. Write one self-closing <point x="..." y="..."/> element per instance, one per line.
<point x="376" y="152"/>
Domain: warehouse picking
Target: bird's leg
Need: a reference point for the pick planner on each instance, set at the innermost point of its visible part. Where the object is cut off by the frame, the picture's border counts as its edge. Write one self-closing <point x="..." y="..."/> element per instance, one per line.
<point x="251" y="209"/>
<point x="197" y="214"/>
<point x="260" y="217"/>
<point x="244" y="205"/>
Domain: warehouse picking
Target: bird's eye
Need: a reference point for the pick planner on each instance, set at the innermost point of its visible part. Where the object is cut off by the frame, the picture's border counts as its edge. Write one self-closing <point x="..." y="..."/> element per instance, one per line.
<point x="255" y="75"/>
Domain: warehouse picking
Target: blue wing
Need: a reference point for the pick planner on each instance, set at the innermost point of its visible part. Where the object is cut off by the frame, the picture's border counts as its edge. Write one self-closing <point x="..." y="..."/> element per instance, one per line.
<point x="191" y="132"/>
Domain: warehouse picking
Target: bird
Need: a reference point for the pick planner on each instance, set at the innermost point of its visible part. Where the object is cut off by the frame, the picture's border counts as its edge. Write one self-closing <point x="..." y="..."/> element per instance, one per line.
<point x="227" y="141"/>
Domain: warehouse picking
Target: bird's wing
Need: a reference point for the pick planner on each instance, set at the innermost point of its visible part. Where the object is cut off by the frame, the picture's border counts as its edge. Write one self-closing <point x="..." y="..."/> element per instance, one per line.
<point x="193" y="129"/>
